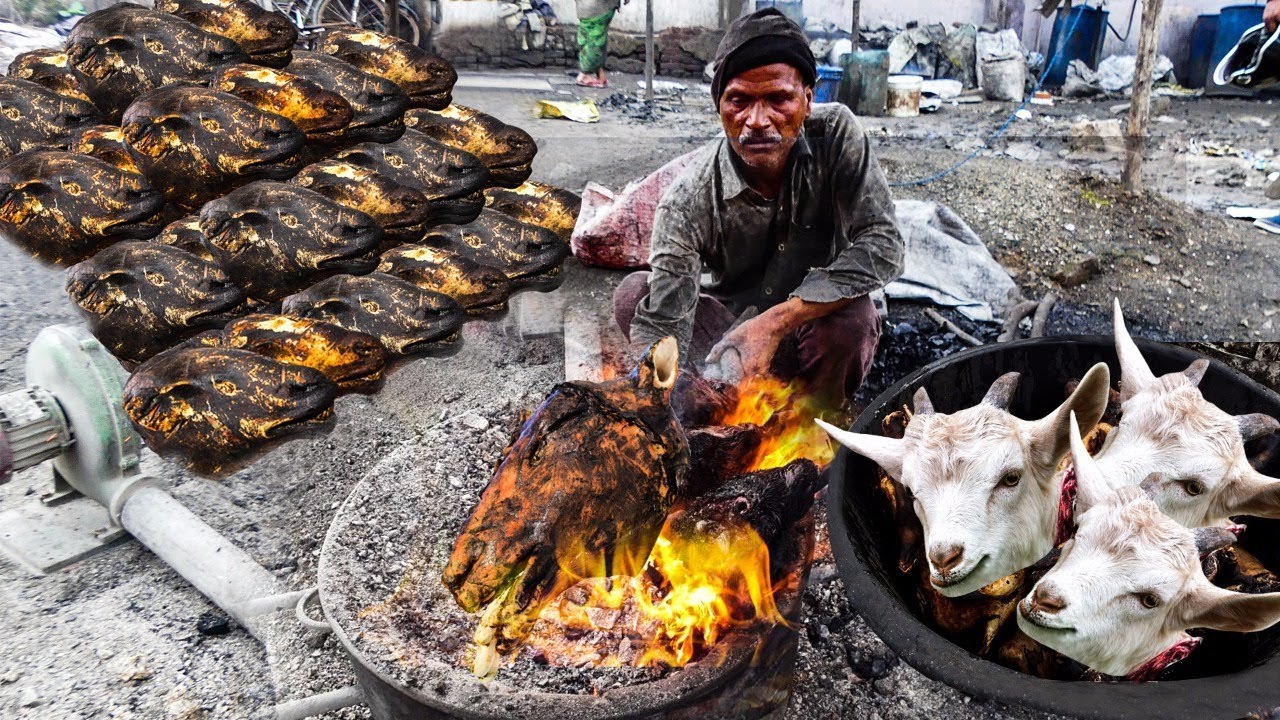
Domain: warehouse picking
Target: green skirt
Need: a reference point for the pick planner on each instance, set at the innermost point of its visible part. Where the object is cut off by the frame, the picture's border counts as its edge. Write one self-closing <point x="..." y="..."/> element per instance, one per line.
<point x="593" y="42"/>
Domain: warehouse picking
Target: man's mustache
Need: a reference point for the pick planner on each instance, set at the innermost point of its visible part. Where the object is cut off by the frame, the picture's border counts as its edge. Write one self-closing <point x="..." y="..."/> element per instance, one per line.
<point x="750" y="138"/>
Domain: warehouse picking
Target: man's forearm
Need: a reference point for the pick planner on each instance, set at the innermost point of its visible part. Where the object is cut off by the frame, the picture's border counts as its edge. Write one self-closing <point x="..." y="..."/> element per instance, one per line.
<point x="794" y="312"/>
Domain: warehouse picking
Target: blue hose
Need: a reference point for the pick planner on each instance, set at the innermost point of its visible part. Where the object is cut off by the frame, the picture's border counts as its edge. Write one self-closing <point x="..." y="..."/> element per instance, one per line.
<point x="1001" y="130"/>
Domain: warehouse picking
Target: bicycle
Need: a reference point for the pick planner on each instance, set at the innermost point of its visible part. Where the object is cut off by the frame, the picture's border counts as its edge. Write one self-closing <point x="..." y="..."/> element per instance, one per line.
<point x="418" y="18"/>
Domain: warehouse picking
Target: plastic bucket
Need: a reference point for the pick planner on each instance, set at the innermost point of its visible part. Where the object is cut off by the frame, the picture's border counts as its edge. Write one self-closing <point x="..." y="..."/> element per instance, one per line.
<point x="865" y="85"/>
<point x="1080" y="32"/>
<point x="828" y="86"/>
<point x="1203" y="35"/>
<point x="904" y="95"/>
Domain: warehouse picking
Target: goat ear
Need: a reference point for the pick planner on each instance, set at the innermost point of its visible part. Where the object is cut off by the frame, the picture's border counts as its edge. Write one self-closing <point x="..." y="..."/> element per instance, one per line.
<point x="1212" y="607"/>
<point x="1091" y="485"/>
<point x="1255" y="425"/>
<point x="885" y="452"/>
<point x="1051" y="435"/>
<point x="1254" y="494"/>
<point x="921" y="403"/>
<point x="1001" y="392"/>
<point x="1135" y="374"/>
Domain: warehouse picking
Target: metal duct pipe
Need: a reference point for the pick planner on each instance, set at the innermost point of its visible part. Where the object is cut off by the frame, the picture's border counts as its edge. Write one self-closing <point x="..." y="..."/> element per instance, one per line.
<point x="213" y="564"/>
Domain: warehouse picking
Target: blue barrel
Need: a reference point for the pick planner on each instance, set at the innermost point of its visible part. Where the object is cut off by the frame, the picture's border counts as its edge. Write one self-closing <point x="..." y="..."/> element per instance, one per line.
<point x="793" y="9"/>
<point x="1203" y="34"/>
<point x="1233" y="21"/>
<point x="1080" y="33"/>
<point x="828" y="85"/>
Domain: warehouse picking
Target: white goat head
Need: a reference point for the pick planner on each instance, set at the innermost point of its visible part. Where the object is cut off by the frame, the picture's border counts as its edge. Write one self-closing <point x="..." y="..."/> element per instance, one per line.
<point x="984" y="482"/>
<point x="1129" y="584"/>
<point x="1195" y="448"/>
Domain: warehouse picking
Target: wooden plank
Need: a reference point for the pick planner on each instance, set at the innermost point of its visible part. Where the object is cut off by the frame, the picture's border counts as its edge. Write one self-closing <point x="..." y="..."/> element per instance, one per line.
<point x="583" y="355"/>
<point x="1140" y="109"/>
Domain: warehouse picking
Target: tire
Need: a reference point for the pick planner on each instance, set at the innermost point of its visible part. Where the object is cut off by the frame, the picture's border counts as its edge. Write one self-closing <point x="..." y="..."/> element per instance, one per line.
<point x="370" y="16"/>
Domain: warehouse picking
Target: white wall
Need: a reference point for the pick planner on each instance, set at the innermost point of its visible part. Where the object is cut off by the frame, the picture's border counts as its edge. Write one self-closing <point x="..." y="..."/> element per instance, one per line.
<point x="897" y="11"/>
<point x="630" y="18"/>
<point x="1178" y="16"/>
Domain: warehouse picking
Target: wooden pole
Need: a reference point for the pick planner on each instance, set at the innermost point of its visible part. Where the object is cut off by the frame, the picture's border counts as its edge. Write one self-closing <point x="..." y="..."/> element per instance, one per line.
<point x="1140" y="108"/>
<point x="857" y="20"/>
<point x="393" y="18"/>
<point x="648" y="52"/>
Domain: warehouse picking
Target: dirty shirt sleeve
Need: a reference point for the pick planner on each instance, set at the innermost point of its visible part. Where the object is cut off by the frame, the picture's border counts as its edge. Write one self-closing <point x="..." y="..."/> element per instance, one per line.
<point x="864" y="217"/>
<point x="679" y="232"/>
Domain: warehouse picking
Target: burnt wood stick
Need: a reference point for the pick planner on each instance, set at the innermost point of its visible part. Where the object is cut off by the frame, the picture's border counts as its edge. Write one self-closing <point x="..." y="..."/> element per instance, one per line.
<point x="1042" y="314"/>
<point x="952" y="327"/>
<point x="1021" y="310"/>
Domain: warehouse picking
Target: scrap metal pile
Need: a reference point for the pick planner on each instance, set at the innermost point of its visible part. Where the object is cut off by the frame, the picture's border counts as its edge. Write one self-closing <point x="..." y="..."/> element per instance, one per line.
<point x="192" y="168"/>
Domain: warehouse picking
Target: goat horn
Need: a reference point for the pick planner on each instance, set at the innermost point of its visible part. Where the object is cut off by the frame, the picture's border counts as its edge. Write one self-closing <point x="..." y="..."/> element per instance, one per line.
<point x="1209" y="539"/>
<point x="1001" y="392"/>
<point x="1255" y="425"/>
<point x="1091" y="486"/>
<point x="1197" y="370"/>
<point x="1135" y="374"/>
<point x="921" y="403"/>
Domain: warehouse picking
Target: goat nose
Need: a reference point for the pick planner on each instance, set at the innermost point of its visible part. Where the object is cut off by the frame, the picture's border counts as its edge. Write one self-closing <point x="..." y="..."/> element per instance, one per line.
<point x="1046" y="600"/>
<point x="945" y="558"/>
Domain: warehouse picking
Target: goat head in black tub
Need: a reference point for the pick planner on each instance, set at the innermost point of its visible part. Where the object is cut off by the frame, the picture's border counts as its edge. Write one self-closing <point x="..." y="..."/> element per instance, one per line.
<point x="1227" y="678"/>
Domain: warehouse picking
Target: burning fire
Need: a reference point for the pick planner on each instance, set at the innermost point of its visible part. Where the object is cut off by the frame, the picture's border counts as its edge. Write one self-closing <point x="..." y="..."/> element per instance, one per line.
<point x="693" y="591"/>
<point x="696" y="587"/>
<point x="786" y="413"/>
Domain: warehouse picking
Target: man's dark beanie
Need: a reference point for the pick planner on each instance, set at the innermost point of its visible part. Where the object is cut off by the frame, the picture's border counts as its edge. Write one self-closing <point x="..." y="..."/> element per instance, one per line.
<point x="762" y="38"/>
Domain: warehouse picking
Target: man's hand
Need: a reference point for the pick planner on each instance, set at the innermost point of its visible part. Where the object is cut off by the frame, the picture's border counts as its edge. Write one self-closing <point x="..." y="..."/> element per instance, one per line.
<point x="1271" y="15"/>
<point x="756" y="341"/>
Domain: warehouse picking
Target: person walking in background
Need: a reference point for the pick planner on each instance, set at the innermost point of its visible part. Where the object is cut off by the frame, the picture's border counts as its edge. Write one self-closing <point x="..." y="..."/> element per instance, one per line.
<point x="594" y="17"/>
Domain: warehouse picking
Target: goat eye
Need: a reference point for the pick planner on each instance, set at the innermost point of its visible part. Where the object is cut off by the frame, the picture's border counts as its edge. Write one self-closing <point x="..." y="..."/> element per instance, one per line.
<point x="1011" y="479"/>
<point x="1148" y="600"/>
<point x="1193" y="487"/>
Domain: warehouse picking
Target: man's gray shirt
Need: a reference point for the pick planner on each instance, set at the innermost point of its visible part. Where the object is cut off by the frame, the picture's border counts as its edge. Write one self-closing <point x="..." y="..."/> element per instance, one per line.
<point x="829" y="235"/>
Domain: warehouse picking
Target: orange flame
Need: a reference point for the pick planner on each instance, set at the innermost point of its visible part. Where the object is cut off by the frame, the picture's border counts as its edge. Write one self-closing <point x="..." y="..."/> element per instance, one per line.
<point x="696" y="586"/>
<point x="693" y="591"/>
<point x="786" y="413"/>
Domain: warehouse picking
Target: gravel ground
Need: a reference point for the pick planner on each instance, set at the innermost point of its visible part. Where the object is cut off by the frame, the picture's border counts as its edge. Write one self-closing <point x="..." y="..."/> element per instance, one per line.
<point x="118" y="635"/>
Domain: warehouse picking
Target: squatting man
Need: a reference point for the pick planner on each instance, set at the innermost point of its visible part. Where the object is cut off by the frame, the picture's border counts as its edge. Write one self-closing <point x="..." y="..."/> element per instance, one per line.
<point x="790" y="215"/>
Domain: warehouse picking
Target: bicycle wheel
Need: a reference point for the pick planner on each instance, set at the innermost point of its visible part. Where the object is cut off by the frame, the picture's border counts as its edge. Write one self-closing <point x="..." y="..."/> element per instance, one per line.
<point x="369" y="14"/>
